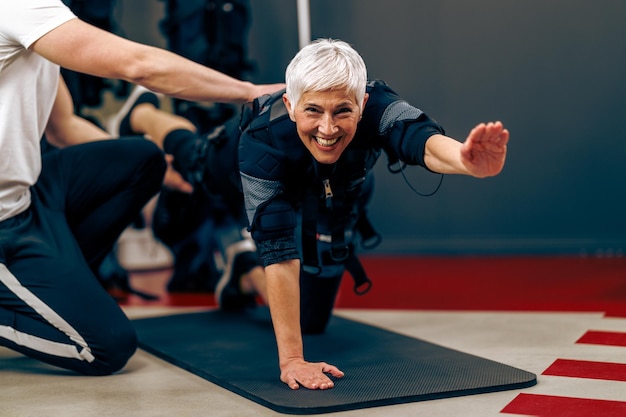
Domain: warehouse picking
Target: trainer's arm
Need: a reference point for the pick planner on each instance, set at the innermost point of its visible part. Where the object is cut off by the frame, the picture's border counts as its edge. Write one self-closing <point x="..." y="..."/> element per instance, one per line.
<point x="65" y="128"/>
<point x="82" y="47"/>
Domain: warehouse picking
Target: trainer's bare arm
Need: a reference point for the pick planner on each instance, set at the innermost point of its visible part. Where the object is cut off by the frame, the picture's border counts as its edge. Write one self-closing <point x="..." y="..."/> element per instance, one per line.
<point x="84" y="48"/>
<point x="65" y="128"/>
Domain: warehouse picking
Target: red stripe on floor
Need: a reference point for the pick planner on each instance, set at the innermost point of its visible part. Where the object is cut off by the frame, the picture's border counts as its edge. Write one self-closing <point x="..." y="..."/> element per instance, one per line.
<point x="553" y="406"/>
<point x="587" y="369"/>
<point x="596" y="337"/>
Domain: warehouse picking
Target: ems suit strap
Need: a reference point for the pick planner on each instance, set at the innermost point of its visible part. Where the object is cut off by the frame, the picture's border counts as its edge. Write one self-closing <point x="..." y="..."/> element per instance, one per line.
<point x="310" y="261"/>
<point x="362" y="284"/>
<point x="339" y="252"/>
<point x="370" y="238"/>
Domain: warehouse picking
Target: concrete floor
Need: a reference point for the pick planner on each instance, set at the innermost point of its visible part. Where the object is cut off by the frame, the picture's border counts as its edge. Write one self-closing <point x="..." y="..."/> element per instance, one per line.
<point x="150" y="387"/>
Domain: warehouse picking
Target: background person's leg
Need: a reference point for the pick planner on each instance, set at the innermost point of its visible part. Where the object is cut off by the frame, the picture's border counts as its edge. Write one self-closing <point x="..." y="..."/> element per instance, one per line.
<point x="104" y="186"/>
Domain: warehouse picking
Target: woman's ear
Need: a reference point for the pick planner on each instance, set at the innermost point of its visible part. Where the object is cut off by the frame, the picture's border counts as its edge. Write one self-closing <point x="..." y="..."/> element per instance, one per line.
<point x="290" y="109"/>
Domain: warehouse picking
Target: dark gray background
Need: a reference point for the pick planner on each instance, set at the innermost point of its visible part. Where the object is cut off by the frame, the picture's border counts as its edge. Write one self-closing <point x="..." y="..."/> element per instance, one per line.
<point x="552" y="71"/>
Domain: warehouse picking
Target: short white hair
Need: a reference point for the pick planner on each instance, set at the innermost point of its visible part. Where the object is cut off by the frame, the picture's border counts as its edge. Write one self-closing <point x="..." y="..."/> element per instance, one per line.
<point x="323" y="65"/>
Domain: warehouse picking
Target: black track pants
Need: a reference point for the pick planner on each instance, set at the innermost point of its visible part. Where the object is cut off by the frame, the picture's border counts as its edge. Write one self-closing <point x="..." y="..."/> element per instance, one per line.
<point x="51" y="305"/>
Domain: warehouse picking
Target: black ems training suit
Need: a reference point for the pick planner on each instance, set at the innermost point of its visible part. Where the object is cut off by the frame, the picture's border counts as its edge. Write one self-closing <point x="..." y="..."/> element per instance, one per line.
<point x="298" y="208"/>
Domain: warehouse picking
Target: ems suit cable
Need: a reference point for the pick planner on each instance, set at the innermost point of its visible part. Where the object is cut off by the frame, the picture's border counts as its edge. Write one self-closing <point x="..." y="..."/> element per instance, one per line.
<point x="401" y="170"/>
<point x="399" y="111"/>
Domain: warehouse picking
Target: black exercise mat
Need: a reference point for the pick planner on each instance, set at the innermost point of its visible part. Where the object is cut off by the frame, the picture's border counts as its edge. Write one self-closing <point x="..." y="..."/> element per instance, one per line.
<point x="238" y="352"/>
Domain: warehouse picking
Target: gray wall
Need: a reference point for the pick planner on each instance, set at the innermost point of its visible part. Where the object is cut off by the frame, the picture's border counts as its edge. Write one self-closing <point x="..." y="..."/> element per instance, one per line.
<point x="552" y="71"/>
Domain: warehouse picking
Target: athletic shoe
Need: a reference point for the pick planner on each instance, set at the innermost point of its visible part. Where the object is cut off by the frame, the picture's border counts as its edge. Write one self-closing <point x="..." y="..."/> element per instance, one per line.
<point x="119" y="123"/>
<point x="139" y="250"/>
<point x="241" y="257"/>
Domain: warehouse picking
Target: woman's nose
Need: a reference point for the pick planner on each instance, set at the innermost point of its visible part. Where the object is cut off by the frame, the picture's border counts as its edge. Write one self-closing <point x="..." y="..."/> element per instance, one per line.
<point x="327" y="125"/>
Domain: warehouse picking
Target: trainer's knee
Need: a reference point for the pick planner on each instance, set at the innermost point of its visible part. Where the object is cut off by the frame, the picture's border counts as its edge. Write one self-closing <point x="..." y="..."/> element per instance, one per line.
<point x="150" y="164"/>
<point x="112" y="351"/>
<point x="154" y="156"/>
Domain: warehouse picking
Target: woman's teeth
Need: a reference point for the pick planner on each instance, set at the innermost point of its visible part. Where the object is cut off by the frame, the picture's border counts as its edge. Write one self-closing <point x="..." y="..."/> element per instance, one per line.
<point x="326" y="142"/>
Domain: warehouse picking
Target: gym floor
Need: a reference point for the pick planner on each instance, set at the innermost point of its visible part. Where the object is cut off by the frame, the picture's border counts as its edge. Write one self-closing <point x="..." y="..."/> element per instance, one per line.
<point x="562" y="318"/>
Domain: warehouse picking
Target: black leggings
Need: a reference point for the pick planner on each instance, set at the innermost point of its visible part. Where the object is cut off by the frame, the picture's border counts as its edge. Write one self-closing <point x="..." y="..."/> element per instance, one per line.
<point x="52" y="306"/>
<point x="317" y="300"/>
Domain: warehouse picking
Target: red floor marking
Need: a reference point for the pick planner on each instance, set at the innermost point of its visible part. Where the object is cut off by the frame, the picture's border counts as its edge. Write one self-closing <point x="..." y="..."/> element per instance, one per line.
<point x="587" y="369"/>
<point x="553" y="406"/>
<point x="596" y="337"/>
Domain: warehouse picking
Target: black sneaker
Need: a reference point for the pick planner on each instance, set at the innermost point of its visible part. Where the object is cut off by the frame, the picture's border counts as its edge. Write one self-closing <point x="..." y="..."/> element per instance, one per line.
<point x="119" y="123"/>
<point x="241" y="257"/>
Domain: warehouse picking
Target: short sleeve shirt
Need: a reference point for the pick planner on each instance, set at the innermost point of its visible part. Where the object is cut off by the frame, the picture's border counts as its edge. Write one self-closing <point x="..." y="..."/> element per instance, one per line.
<point x="28" y="87"/>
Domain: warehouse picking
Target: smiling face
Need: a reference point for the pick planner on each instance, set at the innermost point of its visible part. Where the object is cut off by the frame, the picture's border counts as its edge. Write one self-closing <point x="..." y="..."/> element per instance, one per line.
<point x="326" y="121"/>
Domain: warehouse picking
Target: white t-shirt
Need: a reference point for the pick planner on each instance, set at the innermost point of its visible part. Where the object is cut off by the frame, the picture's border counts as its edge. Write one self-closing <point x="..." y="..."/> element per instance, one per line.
<point x="28" y="86"/>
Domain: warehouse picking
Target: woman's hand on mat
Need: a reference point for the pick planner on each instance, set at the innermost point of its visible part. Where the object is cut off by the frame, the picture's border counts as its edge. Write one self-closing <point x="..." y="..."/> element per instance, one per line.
<point x="311" y="375"/>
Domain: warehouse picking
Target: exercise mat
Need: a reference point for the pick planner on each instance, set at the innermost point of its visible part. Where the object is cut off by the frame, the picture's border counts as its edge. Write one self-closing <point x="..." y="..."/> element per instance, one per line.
<point x="238" y="352"/>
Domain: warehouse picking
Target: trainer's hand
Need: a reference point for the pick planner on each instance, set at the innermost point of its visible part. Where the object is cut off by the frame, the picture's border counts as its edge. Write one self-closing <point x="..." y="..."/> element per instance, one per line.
<point x="311" y="375"/>
<point x="259" y="90"/>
